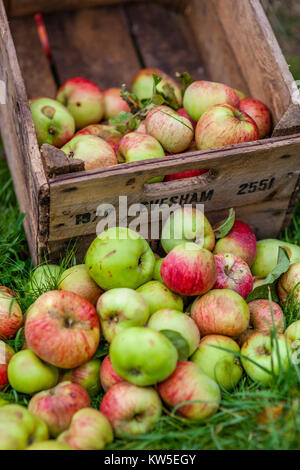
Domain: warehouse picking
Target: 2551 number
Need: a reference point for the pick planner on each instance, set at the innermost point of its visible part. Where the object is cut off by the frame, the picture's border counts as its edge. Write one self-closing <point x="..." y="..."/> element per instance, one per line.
<point x="263" y="185"/>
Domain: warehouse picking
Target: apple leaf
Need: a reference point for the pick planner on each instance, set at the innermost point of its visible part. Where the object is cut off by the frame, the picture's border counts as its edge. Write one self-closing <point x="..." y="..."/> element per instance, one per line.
<point x="179" y="342"/>
<point x="225" y="226"/>
<point x="262" y="291"/>
<point x="185" y="79"/>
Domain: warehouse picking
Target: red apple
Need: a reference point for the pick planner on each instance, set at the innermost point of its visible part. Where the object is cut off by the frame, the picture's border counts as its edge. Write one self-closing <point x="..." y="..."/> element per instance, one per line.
<point x="240" y="241"/>
<point x="260" y="114"/>
<point x="57" y="405"/>
<point x="261" y="316"/>
<point x="185" y="174"/>
<point x="224" y="125"/>
<point x="6" y="353"/>
<point x="63" y="329"/>
<point x="86" y="375"/>
<point x="108" y="375"/>
<point x="222" y="312"/>
<point x="114" y="103"/>
<point x="189" y="383"/>
<point x="105" y="131"/>
<point x="11" y="317"/>
<point x="189" y="270"/>
<point x="233" y="273"/>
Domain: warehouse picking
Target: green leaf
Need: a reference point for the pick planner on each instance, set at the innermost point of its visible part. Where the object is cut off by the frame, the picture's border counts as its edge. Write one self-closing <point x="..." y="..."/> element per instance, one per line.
<point x="224" y="228"/>
<point x="262" y="292"/>
<point x="185" y="79"/>
<point x="179" y="342"/>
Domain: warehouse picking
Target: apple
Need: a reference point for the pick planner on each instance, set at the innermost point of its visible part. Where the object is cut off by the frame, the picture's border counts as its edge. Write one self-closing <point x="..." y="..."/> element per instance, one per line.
<point x="184" y="175"/>
<point x="7" y="291"/>
<point x="142" y="85"/>
<point x="158" y="296"/>
<point x="263" y="350"/>
<point x="53" y="123"/>
<point x="57" y="406"/>
<point x="200" y="96"/>
<point x="242" y="338"/>
<point x="89" y="430"/>
<point x="84" y="100"/>
<point x="108" y="376"/>
<point x="49" y="445"/>
<point x="267" y="255"/>
<point x="261" y="316"/>
<point x="240" y="241"/>
<point x="156" y="271"/>
<point x="187" y="224"/>
<point x="120" y="257"/>
<point x="45" y="277"/>
<point x="171" y="321"/>
<point x="233" y="273"/>
<point x="189" y="270"/>
<point x="241" y="94"/>
<point x="142" y="356"/>
<point x="62" y="329"/>
<point x="121" y="308"/>
<point x="292" y="334"/>
<point x="141" y="129"/>
<point x="260" y="114"/>
<point x="222" y="366"/>
<point x="131" y="410"/>
<point x="28" y="374"/>
<point x="105" y="131"/>
<point x="76" y="279"/>
<point x="289" y="285"/>
<point x="92" y="150"/>
<point x="114" y="103"/>
<point x="6" y="353"/>
<point x="173" y="131"/>
<point x="11" y="317"/>
<point x="222" y="312"/>
<point x="224" y="125"/>
<point x="189" y="383"/>
<point x="19" y="428"/>
<point x="182" y="112"/>
<point x="87" y="375"/>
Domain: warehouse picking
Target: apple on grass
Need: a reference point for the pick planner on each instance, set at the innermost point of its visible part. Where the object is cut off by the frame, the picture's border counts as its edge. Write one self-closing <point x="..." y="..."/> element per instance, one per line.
<point x="6" y="353"/>
<point x="29" y="374"/>
<point x="87" y="375"/>
<point x="179" y="328"/>
<point x="114" y="103"/>
<point x="288" y="286"/>
<point x="105" y="131"/>
<point x="49" y="445"/>
<point x="233" y="273"/>
<point x="265" y="316"/>
<point x="202" y="95"/>
<point x="92" y="150"/>
<point x="62" y="329"/>
<point x="216" y="356"/>
<point x="189" y="270"/>
<point x="267" y="255"/>
<point x="57" y="406"/>
<point x="224" y="125"/>
<point x="89" y="430"/>
<point x="292" y="333"/>
<point x="131" y="410"/>
<point x="121" y="308"/>
<point x="142" y="356"/>
<point x="19" y="428"/>
<point x="108" y="376"/>
<point x="240" y="241"/>
<point x="189" y="384"/>
<point x="260" y="114"/>
<point x="53" y="123"/>
<point x="222" y="312"/>
<point x="158" y="296"/>
<point x="143" y="83"/>
<point x="11" y="317"/>
<point x="76" y="279"/>
<point x="270" y="354"/>
<point x="174" y="132"/>
<point x="120" y="257"/>
<point x="187" y="224"/>
<point x="84" y="100"/>
<point x="44" y="278"/>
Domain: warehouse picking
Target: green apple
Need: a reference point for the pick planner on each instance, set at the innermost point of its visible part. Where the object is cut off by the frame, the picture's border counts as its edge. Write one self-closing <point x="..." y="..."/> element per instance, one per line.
<point x="44" y="278"/>
<point x="222" y="366"/>
<point x="27" y="373"/>
<point x="143" y="356"/>
<point x="120" y="257"/>
<point x="76" y="279"/>
<point x="267" y="256"/>
<point x="178" y="327"/>
<point x="262" y="349"/>
<point x="19" y="428"/>
<point x="142" y="85"/>
<point x="49" y="445"/>
<point x="159" y="296"/>
<point x="292" y="333"/>
<point x="187" y="224"/>
<point x="156" y="271"/>
<point x="87" y="375"/>
<point x="119" y="309"/>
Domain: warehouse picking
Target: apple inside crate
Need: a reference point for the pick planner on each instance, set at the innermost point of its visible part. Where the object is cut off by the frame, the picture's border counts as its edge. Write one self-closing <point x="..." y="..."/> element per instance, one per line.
<point x="108" y="42"/>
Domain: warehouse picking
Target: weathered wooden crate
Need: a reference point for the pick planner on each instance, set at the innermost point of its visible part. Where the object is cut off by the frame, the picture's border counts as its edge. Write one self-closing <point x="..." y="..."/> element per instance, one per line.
<point x="108" y="41"/>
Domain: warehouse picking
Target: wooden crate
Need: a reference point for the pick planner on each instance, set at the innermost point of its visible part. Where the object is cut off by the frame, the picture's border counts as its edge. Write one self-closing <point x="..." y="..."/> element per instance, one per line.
<point x="107" y="41"/>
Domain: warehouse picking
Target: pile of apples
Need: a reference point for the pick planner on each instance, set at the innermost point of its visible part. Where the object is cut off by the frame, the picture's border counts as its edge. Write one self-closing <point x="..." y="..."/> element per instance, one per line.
<point x="157" y="118"/>
<point x="177" y="330"/>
